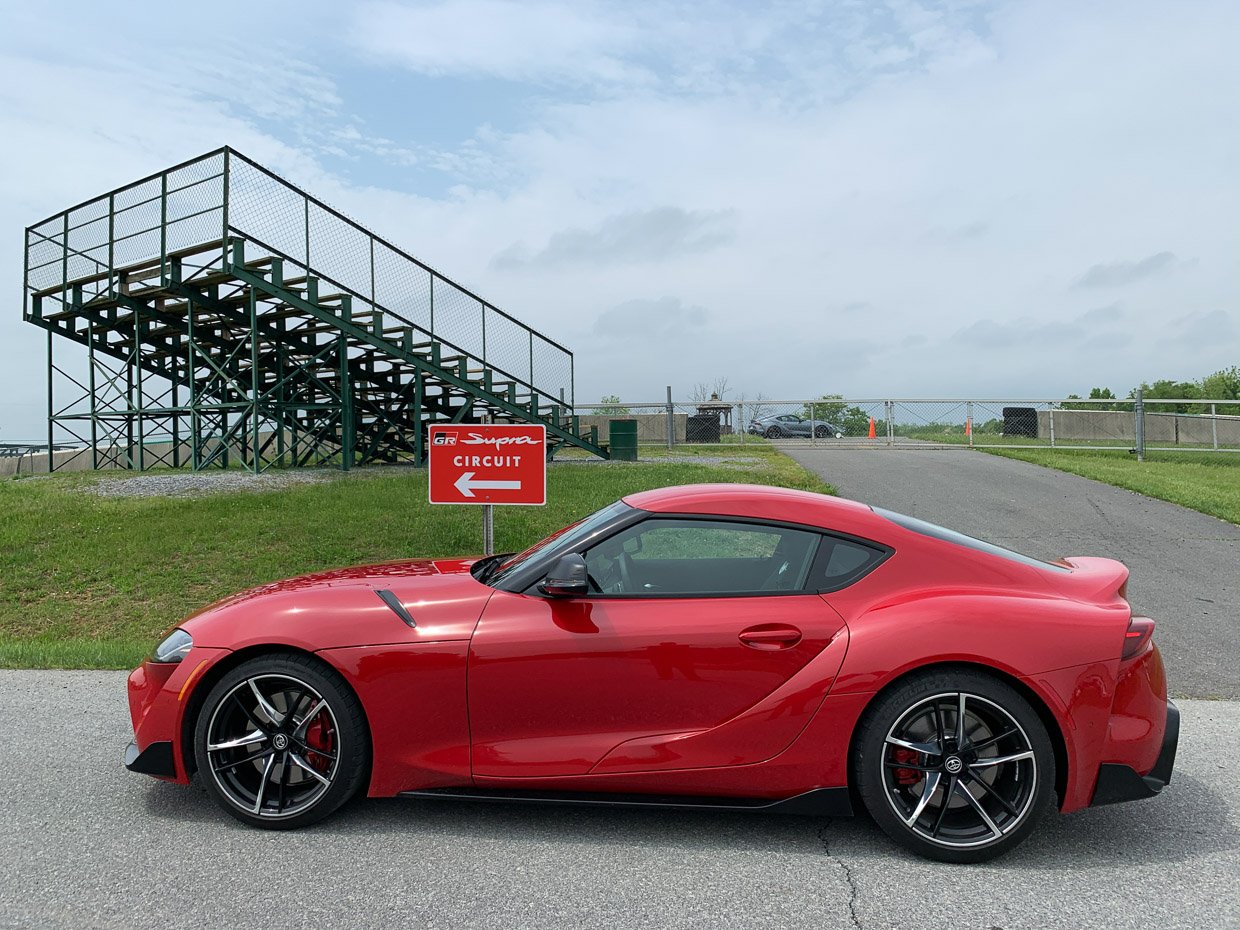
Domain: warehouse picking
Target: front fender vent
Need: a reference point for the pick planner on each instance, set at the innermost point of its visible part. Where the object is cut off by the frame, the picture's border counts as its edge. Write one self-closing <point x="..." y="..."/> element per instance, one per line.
<point x="397" y="607"/>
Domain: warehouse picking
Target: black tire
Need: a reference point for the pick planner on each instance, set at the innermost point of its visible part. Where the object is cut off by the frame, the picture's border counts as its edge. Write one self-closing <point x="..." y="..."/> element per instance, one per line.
<point x="281" y="742"/>
<point x="991" y="807"/>
<point x="774" y="432"/>
<point x="820" y="432"/>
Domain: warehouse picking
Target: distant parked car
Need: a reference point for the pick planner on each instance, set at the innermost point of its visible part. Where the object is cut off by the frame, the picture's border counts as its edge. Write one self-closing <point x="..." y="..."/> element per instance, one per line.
<point x="777" y="425"/>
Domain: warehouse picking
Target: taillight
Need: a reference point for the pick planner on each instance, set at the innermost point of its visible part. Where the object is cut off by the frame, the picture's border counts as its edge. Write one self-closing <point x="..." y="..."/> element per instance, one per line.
<point x="1140" y="631"/>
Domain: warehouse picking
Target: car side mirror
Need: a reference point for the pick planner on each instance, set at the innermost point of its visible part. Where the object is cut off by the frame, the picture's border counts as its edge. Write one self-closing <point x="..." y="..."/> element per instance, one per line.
<point x="567" y="578"/>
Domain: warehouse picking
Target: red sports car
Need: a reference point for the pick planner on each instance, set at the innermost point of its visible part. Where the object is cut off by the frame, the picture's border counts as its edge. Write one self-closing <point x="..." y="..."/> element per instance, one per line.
<point x="711" y="646"/>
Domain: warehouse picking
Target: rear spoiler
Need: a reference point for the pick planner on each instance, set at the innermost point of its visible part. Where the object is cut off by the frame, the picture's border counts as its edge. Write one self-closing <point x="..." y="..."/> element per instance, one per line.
<point x="1095" y="579"/>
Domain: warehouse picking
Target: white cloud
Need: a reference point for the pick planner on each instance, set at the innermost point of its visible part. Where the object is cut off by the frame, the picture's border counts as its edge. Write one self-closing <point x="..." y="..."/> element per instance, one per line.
<point x="880" y="176"/>
<point x="527" y="41"/>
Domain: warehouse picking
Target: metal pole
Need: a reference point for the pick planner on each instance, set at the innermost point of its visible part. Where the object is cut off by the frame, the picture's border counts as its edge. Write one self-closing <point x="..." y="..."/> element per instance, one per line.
<point x="51" y="407"/>
<point x="135" y="368"/>
<point x="1051" y="418"/>
<point x="813" y="423"/>
<point x="418" y="416"/>
<point x="1140" y="426"/>
<point x="252" y="301"/>
<point x="488" y="517"/>
<point x="346" y="408"/>
<point x="968" y="419"/>
<point x="671" y="420"/>
<point x="195" y="422"/>
<point x="94" y="422"/>
<point x="1214" y="425"/>
<point x="741" y="426"/>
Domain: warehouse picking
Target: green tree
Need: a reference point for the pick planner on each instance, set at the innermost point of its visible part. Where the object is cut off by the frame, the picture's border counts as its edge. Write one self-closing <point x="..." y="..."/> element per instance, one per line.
<point x="610" y="406"/>
<point x="1166" y="389"/>
<point x="851" y="420"/>
<point x="1094" y="394"/>
<point x="1223" y="385"/>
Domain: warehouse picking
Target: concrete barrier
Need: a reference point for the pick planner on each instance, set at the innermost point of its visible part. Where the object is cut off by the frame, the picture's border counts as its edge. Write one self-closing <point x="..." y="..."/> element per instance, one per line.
<point x="651" y="427"/>
<point x="1119" y="426"/>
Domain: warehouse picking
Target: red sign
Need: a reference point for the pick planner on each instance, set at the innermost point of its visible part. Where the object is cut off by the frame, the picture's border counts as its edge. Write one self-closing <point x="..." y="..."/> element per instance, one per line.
<point x="489" y="463"/>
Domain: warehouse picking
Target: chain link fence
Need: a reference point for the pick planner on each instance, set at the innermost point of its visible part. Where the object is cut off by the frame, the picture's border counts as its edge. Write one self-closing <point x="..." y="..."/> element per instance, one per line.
<point x="1133" y="425"/>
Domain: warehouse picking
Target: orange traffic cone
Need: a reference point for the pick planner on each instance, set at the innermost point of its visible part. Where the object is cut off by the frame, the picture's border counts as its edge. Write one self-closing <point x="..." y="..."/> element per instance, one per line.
<point x="871" y="427"/>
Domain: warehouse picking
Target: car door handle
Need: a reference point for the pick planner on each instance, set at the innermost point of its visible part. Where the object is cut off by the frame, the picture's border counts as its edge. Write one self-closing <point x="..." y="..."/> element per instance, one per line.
<point x="770" y="636"/>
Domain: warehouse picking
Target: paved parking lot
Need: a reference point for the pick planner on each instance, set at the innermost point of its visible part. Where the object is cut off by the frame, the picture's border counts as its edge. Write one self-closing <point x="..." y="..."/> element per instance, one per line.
<point x="85" y="844"/>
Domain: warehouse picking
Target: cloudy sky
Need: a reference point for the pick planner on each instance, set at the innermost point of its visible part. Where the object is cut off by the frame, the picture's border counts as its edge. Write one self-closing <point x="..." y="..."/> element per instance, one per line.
<point x="872" y="198"/>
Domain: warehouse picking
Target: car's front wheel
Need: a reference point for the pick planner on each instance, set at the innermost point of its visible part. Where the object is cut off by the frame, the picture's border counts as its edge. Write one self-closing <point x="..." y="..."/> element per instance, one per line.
<point x="281" y="742"/>
<point x="955" y="766"/>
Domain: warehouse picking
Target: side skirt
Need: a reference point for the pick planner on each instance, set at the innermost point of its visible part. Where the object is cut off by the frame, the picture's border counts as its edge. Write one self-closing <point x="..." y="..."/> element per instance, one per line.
<point x="821" y="802"/>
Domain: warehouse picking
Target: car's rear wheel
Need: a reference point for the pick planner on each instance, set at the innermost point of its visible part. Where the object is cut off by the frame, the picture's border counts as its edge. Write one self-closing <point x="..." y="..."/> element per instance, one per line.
<point x="955" y="766"/>
<point x="281" y="742"/>
<point x="774" y="432"/>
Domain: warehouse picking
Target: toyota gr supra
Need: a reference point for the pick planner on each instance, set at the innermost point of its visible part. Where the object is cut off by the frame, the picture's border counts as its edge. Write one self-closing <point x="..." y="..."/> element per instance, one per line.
<point x="712" y="646"/>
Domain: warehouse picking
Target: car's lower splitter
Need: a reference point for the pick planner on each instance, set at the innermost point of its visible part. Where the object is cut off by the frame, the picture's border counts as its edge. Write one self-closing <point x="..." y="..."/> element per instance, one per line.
<point x="821" y="802"/>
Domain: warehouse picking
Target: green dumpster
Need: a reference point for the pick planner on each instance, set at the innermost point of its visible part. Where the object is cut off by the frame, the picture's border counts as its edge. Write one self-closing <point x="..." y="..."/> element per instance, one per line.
<point x="623" y="439"/>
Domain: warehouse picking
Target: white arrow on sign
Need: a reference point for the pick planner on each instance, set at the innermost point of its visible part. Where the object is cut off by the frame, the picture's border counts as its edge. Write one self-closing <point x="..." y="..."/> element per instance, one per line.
<point x="467" y="485"/>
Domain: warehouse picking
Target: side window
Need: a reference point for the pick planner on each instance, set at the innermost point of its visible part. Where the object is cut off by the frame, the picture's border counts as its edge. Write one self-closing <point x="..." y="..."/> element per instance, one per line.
<point x="840" y="562"/>
<point x="671" y="557"/>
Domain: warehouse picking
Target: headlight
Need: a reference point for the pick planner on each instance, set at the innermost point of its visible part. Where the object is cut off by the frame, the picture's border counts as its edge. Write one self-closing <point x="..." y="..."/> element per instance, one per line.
<point x="174" y="648"/>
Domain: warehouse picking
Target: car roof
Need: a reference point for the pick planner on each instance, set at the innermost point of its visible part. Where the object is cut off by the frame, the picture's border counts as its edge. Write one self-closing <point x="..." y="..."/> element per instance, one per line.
<point x="766" y="503"/>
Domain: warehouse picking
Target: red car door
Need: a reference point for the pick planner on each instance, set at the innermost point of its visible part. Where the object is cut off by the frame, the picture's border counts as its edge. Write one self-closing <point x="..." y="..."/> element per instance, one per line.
<point x="686" y="656"/>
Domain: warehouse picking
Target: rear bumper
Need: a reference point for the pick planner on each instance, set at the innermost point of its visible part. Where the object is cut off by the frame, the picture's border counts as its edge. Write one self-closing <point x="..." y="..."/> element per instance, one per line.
<point x="1122" y="783"/>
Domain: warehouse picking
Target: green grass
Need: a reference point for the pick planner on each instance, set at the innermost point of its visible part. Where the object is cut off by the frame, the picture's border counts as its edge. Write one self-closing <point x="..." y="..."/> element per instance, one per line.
<point x="89" y="581"/>
<point x="1204" y="481"/>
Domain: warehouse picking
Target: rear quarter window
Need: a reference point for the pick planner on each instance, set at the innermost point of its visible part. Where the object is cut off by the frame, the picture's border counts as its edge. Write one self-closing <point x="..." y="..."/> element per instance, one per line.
<point x="841" y="562"/>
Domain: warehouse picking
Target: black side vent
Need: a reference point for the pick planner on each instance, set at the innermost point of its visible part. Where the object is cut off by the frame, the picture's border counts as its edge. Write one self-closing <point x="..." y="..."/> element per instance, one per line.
<point x="397" y="607"/>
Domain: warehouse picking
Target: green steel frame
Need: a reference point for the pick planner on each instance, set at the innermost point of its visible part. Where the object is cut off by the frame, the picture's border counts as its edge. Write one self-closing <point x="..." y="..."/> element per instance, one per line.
<point x="222" y="316"/>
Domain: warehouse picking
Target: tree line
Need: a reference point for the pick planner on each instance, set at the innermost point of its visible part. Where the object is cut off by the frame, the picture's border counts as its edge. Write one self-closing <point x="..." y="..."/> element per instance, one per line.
<point x="1222" y="385"/>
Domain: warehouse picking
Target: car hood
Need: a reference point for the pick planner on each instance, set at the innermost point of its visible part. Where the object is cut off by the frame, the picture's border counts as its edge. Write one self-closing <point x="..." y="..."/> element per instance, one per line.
<point x="340" y="607"/>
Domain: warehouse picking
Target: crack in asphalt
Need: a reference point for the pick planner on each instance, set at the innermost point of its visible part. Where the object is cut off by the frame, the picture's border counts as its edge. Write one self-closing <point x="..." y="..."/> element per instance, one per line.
<point x="848" y="874"/>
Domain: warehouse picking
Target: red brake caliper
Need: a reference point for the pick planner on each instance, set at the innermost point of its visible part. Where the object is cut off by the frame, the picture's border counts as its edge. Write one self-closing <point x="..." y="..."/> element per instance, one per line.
<point x="319" y="736"/>
<point x="910" y="756"/>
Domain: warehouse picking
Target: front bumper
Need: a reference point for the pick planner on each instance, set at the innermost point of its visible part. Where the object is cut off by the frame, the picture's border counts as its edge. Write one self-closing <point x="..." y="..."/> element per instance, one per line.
<point x="1122" y="783"/>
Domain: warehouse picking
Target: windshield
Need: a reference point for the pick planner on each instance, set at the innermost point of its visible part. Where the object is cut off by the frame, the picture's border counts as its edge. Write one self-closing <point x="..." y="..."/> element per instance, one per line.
<point x="561" y="540"/>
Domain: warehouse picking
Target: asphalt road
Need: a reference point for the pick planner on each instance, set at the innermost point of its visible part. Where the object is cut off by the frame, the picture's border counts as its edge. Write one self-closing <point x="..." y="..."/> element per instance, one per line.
<point x="1185" y="565"/>
<point x="85" y="844"/>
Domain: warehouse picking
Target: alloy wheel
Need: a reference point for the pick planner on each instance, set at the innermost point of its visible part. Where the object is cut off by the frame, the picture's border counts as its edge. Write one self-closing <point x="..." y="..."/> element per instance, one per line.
<point x="273" y="745"/>
<point x="959" y="770"/>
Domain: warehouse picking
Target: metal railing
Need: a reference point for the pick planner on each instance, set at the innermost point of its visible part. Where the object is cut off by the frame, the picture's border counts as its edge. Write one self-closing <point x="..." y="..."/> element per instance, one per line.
<point x="224" y="194"/>
<point x="1132" y="424"/>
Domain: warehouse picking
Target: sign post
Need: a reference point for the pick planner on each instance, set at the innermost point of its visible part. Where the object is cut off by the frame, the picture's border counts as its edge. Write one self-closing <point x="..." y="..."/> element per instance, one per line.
<point x="487" y="464"/>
